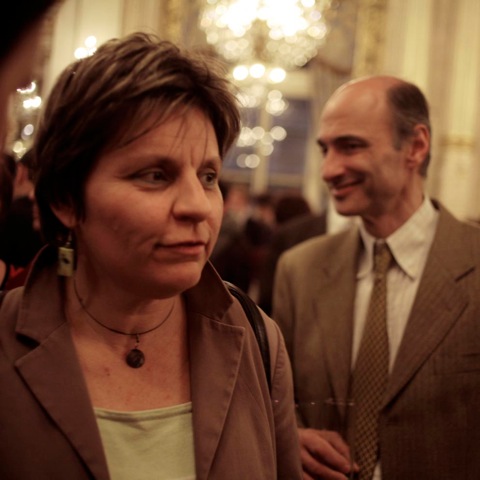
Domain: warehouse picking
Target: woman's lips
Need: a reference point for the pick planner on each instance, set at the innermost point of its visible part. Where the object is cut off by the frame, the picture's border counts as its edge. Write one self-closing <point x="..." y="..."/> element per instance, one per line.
<point x="190" y="249"/>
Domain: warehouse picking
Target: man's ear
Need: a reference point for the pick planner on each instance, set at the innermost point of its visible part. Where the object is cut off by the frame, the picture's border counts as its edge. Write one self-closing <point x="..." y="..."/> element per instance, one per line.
<point x="66" y="214"/>
<point x="419" y="146"/>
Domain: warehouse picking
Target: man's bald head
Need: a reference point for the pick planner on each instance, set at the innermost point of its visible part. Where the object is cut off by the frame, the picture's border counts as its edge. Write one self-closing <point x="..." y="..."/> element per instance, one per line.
<point x="405" y="102"/>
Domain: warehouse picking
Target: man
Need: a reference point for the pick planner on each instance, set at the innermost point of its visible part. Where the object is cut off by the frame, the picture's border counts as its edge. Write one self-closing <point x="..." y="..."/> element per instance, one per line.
<point x="375" y="138"/>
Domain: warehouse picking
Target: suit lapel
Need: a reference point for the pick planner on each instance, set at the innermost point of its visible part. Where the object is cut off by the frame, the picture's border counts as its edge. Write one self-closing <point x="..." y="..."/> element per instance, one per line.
<point x="439" y="302"/>
<point x="335" y="306"/>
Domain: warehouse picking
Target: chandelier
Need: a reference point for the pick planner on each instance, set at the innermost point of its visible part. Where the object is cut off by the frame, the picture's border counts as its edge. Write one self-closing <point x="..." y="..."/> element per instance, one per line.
<point x="262" y="40"/>
<point x="283" y="34"/>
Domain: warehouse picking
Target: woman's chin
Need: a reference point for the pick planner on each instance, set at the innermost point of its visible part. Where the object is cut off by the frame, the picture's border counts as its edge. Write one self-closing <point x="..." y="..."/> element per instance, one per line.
<point x="180" y="282"/>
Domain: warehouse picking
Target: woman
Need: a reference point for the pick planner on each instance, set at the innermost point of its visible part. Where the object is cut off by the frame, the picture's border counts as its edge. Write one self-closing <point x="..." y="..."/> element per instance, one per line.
<point x="139" y="364"/>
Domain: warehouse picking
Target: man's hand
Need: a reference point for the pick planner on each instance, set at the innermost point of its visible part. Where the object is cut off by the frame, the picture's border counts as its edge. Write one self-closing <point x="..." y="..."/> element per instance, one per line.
<point x="324" y="455"/>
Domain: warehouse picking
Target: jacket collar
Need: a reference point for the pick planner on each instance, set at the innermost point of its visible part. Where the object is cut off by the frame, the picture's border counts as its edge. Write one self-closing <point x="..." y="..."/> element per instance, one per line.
<point x="44" y="292"/>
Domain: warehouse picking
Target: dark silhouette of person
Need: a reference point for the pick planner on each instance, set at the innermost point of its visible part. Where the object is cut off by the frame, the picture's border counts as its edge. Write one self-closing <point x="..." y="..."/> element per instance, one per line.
<point x="293" y="231"/>
<point x="19" y="241"/>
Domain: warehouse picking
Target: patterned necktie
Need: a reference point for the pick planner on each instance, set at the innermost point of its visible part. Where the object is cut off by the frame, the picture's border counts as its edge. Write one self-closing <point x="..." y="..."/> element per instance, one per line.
<point x="371" y="368"/>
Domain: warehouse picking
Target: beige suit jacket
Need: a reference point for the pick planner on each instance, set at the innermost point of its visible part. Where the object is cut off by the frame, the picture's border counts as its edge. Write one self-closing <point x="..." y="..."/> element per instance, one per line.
<point x="48" y="429"/>
<point x="430" y="420"/>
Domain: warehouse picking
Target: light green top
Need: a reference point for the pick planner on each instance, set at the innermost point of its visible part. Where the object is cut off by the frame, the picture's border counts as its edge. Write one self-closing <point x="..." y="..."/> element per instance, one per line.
<point x="148" y="445"/>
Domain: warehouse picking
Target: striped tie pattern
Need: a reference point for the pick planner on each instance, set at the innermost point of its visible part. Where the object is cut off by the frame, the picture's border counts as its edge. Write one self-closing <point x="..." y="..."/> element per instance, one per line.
<point x="371" y="369"/>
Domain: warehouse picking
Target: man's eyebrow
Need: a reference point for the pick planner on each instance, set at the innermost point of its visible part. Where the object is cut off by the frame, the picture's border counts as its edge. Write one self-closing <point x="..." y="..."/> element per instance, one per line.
<point x="348" y="138"/>
<point x="341" y="139"/>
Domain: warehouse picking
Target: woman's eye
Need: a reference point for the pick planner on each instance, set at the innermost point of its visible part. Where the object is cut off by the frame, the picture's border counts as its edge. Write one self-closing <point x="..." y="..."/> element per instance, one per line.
<point x="152" y="176"/>
<point x="209" y="179"/>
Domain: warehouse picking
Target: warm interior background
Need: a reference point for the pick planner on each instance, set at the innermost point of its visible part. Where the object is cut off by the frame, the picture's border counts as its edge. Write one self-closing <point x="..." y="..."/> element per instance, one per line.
<point x="434" y="43"/>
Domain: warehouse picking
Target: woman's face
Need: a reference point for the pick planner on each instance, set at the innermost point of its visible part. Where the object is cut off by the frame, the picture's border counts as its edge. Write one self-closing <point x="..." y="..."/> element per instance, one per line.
<point x="153" y="209"/>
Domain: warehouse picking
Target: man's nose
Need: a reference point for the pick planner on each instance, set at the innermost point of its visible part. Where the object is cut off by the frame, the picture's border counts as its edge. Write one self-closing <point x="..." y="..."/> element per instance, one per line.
<point x="332" y="165"/>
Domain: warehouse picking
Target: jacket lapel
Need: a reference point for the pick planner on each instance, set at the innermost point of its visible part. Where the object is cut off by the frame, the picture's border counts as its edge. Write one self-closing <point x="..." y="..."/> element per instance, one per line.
<point x="62" y="392"/>
<point x="215" y="354"/>
<point x="439" y="303"/>
<point x="64" y="396"/>
<point x="334" y="305"/>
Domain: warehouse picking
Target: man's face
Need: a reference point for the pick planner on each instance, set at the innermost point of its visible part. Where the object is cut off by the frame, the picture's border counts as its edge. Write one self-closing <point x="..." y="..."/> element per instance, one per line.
<point x="365" y="173"/>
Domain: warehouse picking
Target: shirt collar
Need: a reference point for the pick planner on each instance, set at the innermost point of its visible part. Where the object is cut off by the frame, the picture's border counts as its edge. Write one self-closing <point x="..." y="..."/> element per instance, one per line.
<point x="409" y="244"/>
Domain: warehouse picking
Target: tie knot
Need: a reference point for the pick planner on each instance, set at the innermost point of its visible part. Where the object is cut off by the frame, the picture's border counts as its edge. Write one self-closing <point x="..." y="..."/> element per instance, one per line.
<point x="382" y="258"/>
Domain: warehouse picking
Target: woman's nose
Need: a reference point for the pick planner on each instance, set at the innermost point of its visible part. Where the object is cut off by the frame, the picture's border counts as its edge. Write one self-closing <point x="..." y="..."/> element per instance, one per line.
<point x="192" y="200"/>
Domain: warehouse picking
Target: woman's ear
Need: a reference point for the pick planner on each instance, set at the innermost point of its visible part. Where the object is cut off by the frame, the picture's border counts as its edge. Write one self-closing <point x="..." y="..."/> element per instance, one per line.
<point x="66" y="215"/>
<point x="419" y="146"/>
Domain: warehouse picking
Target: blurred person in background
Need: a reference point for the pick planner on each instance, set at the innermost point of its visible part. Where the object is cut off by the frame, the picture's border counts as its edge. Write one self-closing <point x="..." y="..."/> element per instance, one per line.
<point x="7" y="171"/>
<point x="7" y="174"/>
<point x="247" y="226"/>
<point x="295" y="223"/>
<point x="19" y="240"/>
<point x="231" y="251"/>
<point x="288" y="206"/>
<point x="259" y="228"/>
<point x="20" y="233"/>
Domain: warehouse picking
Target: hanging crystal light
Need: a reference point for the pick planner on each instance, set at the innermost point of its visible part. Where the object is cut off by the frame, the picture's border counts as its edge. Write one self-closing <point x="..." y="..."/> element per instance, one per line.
<point x="276" y="33"/>
<point x="262" y="40"/>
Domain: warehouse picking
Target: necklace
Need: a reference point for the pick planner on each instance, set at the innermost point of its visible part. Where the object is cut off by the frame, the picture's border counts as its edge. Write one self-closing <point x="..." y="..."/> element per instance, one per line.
<point x="135" y="358"/>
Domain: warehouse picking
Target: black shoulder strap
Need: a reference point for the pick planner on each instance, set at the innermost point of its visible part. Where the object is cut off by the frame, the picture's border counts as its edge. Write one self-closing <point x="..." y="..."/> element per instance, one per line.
<point x="258" y="325"/>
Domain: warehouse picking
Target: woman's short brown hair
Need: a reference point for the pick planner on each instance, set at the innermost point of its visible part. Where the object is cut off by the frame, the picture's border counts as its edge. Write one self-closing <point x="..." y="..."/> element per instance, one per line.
<point x="99" y="103"/>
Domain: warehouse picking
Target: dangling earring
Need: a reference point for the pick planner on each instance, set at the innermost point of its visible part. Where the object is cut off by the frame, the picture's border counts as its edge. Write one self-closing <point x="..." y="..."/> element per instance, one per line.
<point x="66" y="258"/>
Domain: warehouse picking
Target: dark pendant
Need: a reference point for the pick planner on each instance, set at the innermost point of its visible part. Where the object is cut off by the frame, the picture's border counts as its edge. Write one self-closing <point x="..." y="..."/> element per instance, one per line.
<point x="135" y="358"/>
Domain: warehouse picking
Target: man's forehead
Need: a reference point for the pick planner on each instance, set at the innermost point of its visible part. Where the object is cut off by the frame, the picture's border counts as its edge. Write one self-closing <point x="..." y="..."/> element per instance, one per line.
<point x="355" y="106"/>
<point x="375" y="83"/>
<point x="358" y="96"/>
<point x="353" y="122"/>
